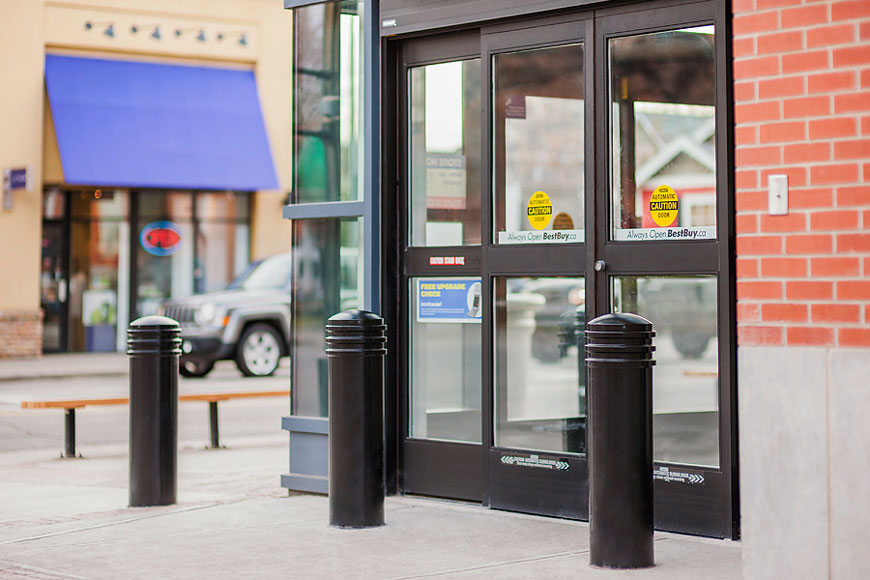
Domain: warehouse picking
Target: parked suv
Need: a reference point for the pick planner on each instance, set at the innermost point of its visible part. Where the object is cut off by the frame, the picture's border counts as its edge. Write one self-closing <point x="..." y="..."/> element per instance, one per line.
<point x="249" y="322"/>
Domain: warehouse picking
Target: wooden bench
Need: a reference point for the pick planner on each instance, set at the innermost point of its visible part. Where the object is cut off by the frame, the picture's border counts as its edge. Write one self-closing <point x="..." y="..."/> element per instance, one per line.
<point x="212" y="399"/>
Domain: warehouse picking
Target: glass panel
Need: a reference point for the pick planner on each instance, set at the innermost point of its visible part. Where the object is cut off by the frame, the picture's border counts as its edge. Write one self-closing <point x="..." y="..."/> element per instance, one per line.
<point x="53" y="286"/>
<point x="165" y="249"/>
<point x="445" y="356"/>
<point x="99" y="203"/>
<point x="540" y="401"/>
<point x="53" y="204"/>
<point x="663" y="138"/>
<point x="223" y="205"/>
<point x="328" y="72"/>
<point x="686" y="374"/>
<point x="93" y="285"/>
<point x="539" y="145"/>
<point x="327" y="279"/>
<point x="222" y="251"/>
<point x="174" y="205"/>
<point x="445" y="154"/>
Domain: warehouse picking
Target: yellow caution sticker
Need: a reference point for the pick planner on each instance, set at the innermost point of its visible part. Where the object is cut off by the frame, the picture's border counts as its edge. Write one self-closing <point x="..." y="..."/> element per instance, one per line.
<point x="540" y="209"/>
<point x="664" y="206"/>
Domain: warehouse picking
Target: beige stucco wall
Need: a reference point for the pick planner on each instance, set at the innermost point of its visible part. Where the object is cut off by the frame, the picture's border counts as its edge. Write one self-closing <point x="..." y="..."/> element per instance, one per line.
<point x="29" y="28"/>
<point x="21" y="70"/>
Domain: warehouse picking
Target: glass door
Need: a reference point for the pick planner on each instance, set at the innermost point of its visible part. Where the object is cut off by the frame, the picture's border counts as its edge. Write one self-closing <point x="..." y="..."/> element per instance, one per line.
<point x="53" y="286"/>
<point x="551" y="171"/>
<point x="663" y="228"/>
<point x="536" y="267"/>
<point x="441" y="290"/>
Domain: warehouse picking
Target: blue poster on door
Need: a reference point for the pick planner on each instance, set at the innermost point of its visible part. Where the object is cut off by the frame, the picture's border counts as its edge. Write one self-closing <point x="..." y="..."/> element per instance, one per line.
<point x="448" y="300"/>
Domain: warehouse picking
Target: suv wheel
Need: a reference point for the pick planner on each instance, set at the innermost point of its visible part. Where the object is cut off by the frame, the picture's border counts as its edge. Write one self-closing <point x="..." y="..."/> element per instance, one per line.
<point x="194" y="369"/>
<point x="259" y="351"/>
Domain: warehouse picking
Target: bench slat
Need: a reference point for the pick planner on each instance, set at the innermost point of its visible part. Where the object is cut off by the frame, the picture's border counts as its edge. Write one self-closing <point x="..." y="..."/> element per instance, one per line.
<point x="210" y="397"/>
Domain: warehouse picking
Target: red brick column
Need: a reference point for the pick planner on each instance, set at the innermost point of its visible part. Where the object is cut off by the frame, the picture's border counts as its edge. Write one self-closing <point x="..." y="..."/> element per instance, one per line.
<point x="802" y="108"/>
<point x="20" y="333"/>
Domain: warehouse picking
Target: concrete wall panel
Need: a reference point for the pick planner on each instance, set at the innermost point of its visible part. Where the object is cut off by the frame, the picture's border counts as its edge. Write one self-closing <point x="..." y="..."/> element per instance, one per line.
<point x="783" y="462"/>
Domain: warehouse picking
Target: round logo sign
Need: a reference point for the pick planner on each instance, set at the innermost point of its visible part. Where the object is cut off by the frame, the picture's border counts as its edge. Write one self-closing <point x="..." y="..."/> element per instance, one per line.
<point x="540" y="209"/>
<point x="161" y="238"/>
<point x="664" y="206"/>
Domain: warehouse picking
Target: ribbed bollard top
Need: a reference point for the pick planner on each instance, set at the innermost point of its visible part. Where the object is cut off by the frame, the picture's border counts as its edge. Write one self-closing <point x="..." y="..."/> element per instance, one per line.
<point x="355" y="332"/>
<point x="154" y="335"/>
<point x="619" y="339"/>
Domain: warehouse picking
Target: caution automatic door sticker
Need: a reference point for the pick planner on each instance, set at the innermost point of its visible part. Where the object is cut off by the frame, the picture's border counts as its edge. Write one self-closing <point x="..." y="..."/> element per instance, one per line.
<point x="540" y="209"/>
<point x="663" y="206"/>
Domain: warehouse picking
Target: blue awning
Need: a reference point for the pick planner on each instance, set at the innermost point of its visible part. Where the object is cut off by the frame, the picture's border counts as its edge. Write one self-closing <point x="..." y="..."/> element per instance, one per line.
<point x="137" y="124"/>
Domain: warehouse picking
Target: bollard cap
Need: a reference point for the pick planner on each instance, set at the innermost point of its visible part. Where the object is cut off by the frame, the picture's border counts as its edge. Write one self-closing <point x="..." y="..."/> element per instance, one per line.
<point x="154" y="321"/>
<point x="355" y="332"/>
<point x="620" y="322"/>
<point x="619" y="340"/>
<point x="154" y="336"/>
<point x="355" y="317"/>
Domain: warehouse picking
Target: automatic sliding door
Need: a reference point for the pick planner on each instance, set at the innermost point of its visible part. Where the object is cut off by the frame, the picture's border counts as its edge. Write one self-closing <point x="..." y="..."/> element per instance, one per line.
<point x="441" y="291"/>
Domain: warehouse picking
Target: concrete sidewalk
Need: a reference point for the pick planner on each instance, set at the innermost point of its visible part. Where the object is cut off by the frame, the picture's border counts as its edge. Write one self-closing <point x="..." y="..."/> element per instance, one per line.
<point x="64" y="365"/>
<point x="62" y="519"/>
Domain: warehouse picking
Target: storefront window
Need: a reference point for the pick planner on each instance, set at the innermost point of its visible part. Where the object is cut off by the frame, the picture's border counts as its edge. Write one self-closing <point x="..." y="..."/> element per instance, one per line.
<point x="327" y="279"/>
<point x="540" y="396"/>
<point x="188" y="244"/>
<point x="685" y="376"/>
<point x="663" y="178"/>
<point x="328" y="154"/>
<point x="444" y="136"/>
<point x="445" y="358"/>
<point x="99" y="270"/>
<point x="539" y="145"/>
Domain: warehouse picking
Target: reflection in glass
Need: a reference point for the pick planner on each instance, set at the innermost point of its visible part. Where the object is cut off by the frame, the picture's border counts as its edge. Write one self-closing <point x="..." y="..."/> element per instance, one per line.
<point x="52" y="286"/>
<point x="328" y="99"/>
<point x="327" y="279"/>
<point x="662" y="111"/>
<point x="540" y="372"/>
<point x="539" y="145"/>
<point x="93" y="284"/>
<point x="685" y="376"/>
<point x="445" y="154"/>
<point x="445" y="356"/>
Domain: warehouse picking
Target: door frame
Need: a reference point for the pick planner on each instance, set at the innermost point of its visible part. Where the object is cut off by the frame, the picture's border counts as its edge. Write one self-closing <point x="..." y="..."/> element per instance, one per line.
<point x="714" y="257"/>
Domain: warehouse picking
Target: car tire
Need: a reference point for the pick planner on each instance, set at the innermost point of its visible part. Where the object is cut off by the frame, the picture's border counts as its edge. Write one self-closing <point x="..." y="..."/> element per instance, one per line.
<point x="194" y="370"/>
<point x="258" y="353"/>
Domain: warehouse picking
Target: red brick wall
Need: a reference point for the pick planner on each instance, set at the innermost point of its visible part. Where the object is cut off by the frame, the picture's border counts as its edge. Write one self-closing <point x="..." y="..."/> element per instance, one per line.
<point x="802" y="108"/>
<point x="20" y="334"/>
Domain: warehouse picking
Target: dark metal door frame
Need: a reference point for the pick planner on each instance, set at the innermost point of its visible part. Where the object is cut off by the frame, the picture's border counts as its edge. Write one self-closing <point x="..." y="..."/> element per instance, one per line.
<point x="713" y="510"/>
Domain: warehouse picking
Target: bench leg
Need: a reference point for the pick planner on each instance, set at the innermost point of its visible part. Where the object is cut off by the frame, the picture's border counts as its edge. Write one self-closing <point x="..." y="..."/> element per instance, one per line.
<point x="213" y="422"/>
<point x="69" y="433"/>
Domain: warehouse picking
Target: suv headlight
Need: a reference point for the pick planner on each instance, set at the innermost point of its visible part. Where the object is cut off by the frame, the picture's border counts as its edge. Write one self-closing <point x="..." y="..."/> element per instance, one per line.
<point x="208" y="314"/>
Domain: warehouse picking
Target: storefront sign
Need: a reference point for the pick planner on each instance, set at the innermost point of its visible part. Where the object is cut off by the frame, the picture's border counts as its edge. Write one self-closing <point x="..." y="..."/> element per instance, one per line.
<point x="532" y="237"/>
<point x="448" y="300"/>
<point x="667" y="234"/>
<point x="536" y="461"/>
<point x="671" y="475"/>
<point x="515" y="107"/>
<point x="445" y="181"/>
<point x="447" y="260"/>
<point x="664" y="206"/>
<point x="161" y="238"/>
<point x="539" y="210"/>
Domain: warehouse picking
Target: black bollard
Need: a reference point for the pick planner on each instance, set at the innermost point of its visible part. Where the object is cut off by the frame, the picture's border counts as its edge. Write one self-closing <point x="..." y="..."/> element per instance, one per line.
<point x="355" y="351"/>
<point x="154" y="345"/>
<point x="619" y="359"/>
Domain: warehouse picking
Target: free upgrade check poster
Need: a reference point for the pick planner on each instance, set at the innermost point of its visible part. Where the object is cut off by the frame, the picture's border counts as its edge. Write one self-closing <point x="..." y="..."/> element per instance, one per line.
<point x="452" y="299"/>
